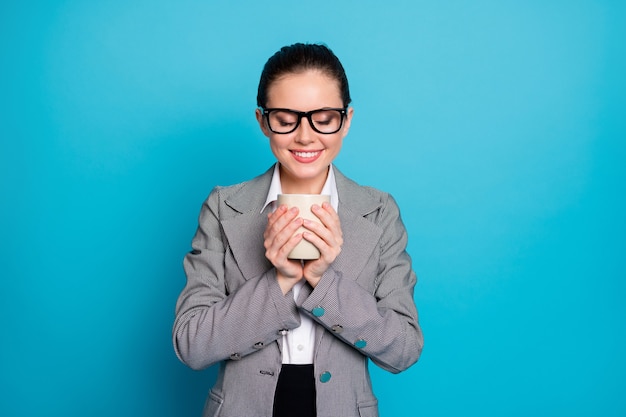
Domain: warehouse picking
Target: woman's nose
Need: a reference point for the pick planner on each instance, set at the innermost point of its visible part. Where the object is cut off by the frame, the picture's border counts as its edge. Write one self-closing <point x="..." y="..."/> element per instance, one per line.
<point x="305" y="133"/>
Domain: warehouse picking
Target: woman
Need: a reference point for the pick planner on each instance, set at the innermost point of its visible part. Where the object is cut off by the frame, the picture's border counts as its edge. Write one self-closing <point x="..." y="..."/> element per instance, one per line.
<point x="293" y="337"/>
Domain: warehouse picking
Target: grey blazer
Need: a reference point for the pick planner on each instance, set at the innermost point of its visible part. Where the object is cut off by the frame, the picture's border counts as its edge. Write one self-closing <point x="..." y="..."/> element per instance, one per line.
<point x="232" y="311"/>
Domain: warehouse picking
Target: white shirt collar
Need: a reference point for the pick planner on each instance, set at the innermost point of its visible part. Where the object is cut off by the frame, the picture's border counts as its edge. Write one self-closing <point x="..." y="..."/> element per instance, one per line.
<point x="330" y="188"/>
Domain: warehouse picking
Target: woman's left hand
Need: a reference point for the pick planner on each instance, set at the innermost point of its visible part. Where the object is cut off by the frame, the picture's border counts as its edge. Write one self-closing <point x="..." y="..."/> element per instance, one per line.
<point x="327" y="237"/>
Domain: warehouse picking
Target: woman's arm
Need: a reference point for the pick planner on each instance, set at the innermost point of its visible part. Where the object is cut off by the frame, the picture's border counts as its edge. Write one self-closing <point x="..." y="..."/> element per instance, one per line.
<point x="214" y="323"/>
<point x="383" y="325"/>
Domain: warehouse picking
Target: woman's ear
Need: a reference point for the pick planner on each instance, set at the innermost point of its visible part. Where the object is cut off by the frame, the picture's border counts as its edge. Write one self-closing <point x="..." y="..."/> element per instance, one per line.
<point x="261" y="120"/>
<point x="348" y="121"/>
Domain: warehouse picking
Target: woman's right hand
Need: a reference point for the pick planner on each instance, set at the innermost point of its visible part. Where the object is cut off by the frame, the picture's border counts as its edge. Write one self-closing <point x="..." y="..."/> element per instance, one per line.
<point x="280" y="238"/>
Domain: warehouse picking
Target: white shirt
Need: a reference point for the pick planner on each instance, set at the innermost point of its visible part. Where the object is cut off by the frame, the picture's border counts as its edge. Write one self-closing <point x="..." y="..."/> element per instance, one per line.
<point x="299" y="343"/>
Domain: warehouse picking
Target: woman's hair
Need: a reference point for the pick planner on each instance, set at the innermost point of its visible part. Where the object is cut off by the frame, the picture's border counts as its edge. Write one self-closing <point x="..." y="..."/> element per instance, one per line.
<point x="300" y="57"/>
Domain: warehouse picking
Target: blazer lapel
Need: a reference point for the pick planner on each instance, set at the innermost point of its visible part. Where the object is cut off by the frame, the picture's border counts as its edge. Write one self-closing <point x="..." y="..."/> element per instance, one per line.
<point x="360" y="235"/>
<point x="244" y="228"/>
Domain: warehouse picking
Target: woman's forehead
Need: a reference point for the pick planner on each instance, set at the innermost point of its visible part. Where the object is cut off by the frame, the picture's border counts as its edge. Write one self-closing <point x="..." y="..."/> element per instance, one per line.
<point x="304" y="88"/>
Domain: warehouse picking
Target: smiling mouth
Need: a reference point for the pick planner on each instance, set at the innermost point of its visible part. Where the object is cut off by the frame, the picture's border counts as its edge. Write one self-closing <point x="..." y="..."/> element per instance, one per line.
<point x="308" y="156"/>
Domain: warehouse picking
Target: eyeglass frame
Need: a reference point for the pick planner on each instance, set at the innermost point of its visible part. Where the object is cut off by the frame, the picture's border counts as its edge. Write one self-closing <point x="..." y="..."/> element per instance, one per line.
<point x="308" y="114"/>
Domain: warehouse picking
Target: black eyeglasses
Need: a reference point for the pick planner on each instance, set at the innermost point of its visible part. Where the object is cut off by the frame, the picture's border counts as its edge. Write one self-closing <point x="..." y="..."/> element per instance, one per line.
<point x="325" y="121"/>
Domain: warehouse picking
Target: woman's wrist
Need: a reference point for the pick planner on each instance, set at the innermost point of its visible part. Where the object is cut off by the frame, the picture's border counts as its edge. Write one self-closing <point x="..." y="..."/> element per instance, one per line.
<point x="286" y="283"/>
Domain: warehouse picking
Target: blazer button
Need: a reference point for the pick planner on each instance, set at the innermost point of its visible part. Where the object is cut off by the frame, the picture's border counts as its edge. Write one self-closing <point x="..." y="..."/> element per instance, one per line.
<point x="258" y="345"/>
<point x="360" y="343"/>
<point x="318" y="311"/>
<point x="325" y="377"/>
<point x="235" y="356"/>
<point x="337" y="328"/>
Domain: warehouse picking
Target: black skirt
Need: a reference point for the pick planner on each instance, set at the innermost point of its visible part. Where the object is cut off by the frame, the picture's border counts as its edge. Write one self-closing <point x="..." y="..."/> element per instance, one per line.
<point x="295" y="392"/>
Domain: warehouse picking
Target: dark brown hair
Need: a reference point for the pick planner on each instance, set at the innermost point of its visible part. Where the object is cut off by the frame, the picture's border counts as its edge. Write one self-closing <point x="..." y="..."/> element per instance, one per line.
<point x="301" y="57"/>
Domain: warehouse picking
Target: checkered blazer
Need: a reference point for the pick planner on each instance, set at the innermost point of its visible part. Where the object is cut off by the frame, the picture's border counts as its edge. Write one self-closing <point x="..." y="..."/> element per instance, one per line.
<point x="232" y="311"/>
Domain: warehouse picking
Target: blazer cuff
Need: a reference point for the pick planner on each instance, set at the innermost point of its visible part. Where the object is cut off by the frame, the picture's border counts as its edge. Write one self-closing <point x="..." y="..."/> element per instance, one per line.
<point x="285" y="304"/>
<point x="319" y="293"/>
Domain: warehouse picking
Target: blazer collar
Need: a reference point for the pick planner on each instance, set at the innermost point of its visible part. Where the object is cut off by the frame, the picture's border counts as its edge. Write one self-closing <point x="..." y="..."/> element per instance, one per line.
<point x="252" y="194"/>
<point x="353" y="197"/>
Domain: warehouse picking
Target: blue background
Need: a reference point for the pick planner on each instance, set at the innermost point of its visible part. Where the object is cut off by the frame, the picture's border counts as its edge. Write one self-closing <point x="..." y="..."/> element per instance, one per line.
<point x="499" y="126"/>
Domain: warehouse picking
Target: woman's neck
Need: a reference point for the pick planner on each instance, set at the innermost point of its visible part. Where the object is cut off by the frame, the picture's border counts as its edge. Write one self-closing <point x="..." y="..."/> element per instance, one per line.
<point x="299" y="186"/>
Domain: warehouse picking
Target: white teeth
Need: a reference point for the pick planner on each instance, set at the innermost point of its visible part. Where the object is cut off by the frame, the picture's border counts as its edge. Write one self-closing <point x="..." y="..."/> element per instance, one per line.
<point x="306" y="154"/>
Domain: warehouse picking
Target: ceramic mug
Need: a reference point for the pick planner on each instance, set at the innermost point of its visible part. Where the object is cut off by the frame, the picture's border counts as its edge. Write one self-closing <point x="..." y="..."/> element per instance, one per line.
<point x="304" y="249"/>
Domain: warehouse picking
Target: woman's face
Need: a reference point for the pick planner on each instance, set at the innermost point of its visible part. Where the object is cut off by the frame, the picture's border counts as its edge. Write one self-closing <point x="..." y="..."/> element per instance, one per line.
<point x="304" y="154"/>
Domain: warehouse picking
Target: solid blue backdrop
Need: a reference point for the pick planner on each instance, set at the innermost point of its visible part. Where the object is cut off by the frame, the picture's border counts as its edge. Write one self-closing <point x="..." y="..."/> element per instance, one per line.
<point x="499" y="127"/>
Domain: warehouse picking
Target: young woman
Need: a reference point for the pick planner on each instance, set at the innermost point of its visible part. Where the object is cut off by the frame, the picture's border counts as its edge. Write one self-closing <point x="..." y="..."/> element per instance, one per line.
<point x="293" y="337"/>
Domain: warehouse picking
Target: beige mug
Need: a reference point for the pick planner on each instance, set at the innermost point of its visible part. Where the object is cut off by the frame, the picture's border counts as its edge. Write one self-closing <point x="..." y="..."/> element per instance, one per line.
<point x="304" y="249"/>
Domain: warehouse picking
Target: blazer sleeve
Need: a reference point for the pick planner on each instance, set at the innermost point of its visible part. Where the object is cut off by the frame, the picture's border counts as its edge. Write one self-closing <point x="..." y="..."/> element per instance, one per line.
<point x="383" y="325"/>
<point x="213" y="323"/>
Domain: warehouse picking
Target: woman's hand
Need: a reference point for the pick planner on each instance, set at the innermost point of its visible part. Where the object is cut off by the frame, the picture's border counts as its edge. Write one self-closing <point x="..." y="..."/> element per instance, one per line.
<point x="327" y="237"/>
<point x="280" y="238"/>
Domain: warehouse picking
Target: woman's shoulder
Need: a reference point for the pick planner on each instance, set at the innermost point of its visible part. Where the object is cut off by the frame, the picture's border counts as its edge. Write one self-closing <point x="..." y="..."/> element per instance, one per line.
<point x="243" y="193"/>
<point x="259" y="180"/>
<point x="363" y="199"/>
<point x="351" y="187"/>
